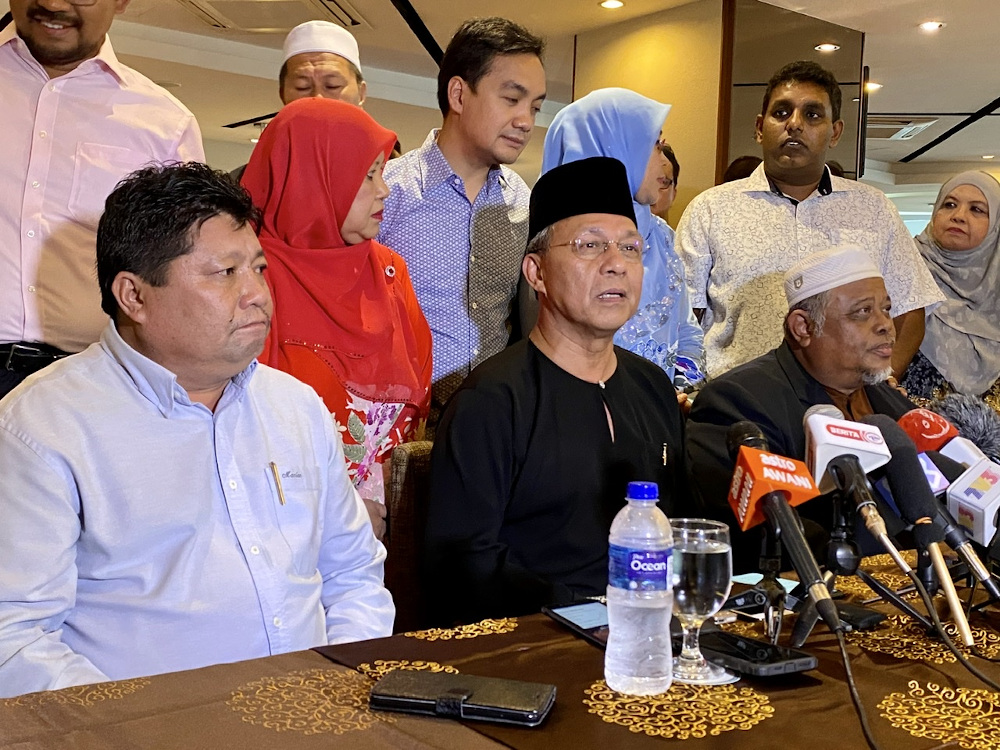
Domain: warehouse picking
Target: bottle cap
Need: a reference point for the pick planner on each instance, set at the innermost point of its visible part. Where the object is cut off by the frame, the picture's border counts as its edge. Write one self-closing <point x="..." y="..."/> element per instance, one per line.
<point x="642" y="491"/>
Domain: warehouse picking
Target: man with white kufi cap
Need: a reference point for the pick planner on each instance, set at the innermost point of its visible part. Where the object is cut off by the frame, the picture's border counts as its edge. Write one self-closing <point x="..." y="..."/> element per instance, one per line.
<point x="321" y="59"/>
<point x="837" y="350"/>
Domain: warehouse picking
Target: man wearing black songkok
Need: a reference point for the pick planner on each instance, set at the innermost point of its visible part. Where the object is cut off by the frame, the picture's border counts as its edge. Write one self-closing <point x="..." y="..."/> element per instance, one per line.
<point x="534" y="451"/>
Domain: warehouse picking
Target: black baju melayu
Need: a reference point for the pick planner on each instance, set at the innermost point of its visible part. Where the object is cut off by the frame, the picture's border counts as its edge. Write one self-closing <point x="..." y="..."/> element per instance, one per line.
<point x="526" y="479"/>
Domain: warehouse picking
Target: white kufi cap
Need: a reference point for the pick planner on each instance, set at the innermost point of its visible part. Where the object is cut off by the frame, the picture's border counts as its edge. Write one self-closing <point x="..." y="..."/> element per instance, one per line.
<point x="322" y="36"/>
<point x="828" y="269"/>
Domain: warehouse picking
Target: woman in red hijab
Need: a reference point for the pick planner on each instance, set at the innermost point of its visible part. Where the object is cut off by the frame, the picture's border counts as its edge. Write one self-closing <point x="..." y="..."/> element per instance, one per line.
<point x="346" y="320"/>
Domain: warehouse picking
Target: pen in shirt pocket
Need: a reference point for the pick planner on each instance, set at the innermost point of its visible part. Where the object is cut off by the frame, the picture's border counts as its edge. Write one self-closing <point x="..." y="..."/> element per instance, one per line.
<point x="277" y="482"/>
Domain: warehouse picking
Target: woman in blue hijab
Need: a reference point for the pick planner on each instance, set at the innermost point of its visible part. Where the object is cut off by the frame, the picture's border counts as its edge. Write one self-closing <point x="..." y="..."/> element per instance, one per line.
<point x="626" y="126"/>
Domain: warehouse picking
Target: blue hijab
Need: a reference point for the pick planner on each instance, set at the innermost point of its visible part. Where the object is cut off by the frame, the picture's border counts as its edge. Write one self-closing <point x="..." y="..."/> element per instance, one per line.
<point x="609" y="122"/>
<point x="625" y="125"/>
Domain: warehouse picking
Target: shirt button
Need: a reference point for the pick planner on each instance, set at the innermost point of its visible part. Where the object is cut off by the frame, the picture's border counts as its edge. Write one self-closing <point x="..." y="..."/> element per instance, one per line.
<point x="31" y="288"/>
<point x="35" y="184"/>
<point x="475" y="352"/>
<point x="52" y="87"/>
<point x="277" y="622"/>
<point x="475" y="305"/>
<point x="472" y="258"/>
<point x="42" y="134"/>
<point x="31" y="233"/>
<point x="255" y="550"/>
<point x="232" y="484"/>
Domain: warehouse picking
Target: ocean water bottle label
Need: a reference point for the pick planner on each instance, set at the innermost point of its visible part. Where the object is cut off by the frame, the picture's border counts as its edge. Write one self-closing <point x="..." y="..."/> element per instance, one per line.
<point x="639" y="569"/>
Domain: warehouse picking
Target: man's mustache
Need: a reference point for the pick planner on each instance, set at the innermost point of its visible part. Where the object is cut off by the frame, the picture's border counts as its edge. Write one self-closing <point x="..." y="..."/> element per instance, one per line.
<point x="41" y="14"/>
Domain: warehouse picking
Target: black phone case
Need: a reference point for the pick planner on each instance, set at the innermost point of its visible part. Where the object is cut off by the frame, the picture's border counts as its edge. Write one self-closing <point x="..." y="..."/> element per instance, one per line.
<point x="462" y="696"/>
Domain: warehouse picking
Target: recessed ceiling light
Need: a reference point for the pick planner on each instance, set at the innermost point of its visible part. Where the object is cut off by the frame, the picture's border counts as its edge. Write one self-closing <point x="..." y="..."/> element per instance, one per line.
<point x="826" y="47"/>
<point x="872" y="86"/>
<point x="989" y="156"/>
<point x="856" y="99"/>
<point x="612" y="4"/>
<point x="932" y="26"/>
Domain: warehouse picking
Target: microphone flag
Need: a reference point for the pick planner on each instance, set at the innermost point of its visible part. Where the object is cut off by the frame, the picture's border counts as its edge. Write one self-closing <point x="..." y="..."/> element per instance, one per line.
<point x="758" y="473"/>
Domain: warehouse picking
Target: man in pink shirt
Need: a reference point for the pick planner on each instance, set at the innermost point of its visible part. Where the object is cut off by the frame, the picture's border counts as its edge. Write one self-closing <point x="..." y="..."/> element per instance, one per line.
<point x="76" y="122"/>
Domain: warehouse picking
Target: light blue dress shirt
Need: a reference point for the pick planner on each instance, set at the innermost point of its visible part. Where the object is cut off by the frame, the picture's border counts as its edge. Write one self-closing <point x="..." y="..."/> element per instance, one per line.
<point x="464" y="257"/>
<point x="142" y="533"/>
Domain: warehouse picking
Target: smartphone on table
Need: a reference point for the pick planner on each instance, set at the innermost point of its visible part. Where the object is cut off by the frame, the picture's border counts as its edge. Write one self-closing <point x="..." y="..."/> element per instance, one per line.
<point x="748" y="656"/>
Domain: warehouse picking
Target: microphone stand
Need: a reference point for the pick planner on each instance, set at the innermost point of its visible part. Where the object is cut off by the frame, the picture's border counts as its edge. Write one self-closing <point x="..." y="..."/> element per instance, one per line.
<point x="925" y="570"/>
<point x="770" y="567"/>
<point x="842" y="559"/>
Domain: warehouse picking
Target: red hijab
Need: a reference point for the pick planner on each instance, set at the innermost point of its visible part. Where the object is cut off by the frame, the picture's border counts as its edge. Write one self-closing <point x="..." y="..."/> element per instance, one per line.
<point x="353" y="306"/>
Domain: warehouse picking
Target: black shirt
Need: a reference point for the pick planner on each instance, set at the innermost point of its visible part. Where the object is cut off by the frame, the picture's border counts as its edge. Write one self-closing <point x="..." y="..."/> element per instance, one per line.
<point x="526" y="479"/>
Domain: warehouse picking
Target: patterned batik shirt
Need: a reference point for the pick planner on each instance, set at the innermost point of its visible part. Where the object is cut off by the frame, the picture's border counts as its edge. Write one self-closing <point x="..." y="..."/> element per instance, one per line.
<point x="464" y="258"/>
<point x="738" y="239"/>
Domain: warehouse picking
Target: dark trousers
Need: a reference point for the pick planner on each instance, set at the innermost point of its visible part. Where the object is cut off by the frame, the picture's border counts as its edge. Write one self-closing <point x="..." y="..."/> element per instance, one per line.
<point x="21" y="359"/>
<point x="9" y="380"/>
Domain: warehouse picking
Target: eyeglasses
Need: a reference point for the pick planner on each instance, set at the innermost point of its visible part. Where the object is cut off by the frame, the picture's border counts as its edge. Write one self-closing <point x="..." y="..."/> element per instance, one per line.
<point x="668" y="182"/>
<point x="591" y="247"/>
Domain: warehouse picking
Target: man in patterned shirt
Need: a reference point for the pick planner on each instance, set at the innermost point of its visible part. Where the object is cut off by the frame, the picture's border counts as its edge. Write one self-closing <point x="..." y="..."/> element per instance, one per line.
<point x="457" y="215"/>
<point x="738" y="239"/>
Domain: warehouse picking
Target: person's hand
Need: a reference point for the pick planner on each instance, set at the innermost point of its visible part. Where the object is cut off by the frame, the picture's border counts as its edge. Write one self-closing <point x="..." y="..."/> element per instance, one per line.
<point x="684" y="403"/>
<point x="377" y="513"/>
<point x="893" y="383"/>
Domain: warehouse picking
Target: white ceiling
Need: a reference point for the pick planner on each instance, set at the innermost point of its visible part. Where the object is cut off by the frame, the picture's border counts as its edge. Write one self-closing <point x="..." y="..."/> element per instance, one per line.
<point x="226" y="76"/>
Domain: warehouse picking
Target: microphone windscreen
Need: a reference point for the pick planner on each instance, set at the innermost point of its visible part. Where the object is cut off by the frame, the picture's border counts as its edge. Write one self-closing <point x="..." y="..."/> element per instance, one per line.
<point x="951" y="468"/>
<point x="826" y="410"/>
<point x="926" y="533"/>
<point x="910" y="490"/>
<point x="974" y="419"/>
<point x="928" y="431"/>
<point x="745" y="433"/>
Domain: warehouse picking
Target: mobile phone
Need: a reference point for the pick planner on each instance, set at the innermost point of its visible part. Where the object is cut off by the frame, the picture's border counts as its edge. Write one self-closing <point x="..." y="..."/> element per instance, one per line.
<point x="745" y="655"/>
<point x="749" y="655"/>
<point x="589" y="620"/>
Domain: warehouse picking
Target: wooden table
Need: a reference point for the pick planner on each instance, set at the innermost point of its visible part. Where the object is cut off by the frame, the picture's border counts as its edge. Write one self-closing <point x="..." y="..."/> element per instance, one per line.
<point x="915" y="697"/>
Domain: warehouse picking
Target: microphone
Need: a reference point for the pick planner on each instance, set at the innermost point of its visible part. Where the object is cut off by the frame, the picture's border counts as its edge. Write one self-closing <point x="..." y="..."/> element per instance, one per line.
<point x="974" y="419"/>
<point x="974" y="500"/>
<point x="915" y="501"/>
<point x="973" y="497"/>
<point x="930" y="431"/>
<point x="841" y="453"/>
<point x="829" y="435"/>
<point x="765" y="486"/>
<point x="917" y="504"/>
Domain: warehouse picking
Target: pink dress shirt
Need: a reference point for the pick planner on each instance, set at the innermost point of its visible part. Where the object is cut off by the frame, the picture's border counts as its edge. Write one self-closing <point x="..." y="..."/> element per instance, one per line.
<point x="65" y="144"/>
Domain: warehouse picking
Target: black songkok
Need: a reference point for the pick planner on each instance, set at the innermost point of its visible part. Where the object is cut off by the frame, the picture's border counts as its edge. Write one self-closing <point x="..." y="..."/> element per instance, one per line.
<point x="598" y="185"/>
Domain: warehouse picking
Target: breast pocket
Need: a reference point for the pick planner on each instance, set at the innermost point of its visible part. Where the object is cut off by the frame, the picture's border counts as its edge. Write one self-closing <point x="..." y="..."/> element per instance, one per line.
<point x="97" y="170"/>
<point x="297" y="495"/>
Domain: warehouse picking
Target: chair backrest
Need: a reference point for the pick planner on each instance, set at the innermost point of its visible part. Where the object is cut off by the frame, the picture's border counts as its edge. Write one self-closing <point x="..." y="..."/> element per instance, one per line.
<point x="406" y="498"/>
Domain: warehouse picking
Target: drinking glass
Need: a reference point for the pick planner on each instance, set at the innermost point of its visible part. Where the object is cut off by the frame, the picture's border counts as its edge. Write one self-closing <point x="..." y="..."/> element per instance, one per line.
<point x="702" y="577"/>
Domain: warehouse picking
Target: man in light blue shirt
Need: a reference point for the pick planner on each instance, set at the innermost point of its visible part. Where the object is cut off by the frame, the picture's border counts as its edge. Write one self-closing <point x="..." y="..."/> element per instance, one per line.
<point x="167" y="503"/>
<point x="456" y="214"/>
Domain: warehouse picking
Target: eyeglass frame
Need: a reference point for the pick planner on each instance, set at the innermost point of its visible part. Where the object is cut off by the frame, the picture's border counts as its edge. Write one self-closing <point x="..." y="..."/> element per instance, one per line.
<point x="576" y="242"/>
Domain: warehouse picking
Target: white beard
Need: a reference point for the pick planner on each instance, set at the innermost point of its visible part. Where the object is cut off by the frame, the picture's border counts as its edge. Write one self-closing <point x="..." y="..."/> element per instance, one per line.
<point x="877" y="376"/>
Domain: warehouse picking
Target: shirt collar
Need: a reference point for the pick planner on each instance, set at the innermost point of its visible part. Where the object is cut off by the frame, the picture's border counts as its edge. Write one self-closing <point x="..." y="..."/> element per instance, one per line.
<point x="158" y="384"/>
<point x="435" y="169"/>
<point x="758" y="181"/>
<point x="105" y="58"/>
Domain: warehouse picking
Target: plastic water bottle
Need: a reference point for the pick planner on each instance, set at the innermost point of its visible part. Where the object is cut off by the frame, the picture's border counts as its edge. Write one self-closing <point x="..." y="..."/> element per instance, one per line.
<point x="637" y="659"/>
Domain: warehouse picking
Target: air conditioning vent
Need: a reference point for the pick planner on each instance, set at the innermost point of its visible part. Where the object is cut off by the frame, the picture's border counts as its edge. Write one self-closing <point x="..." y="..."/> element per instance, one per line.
<point x="272" y="16"/>
<point x="888" y="128"/>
